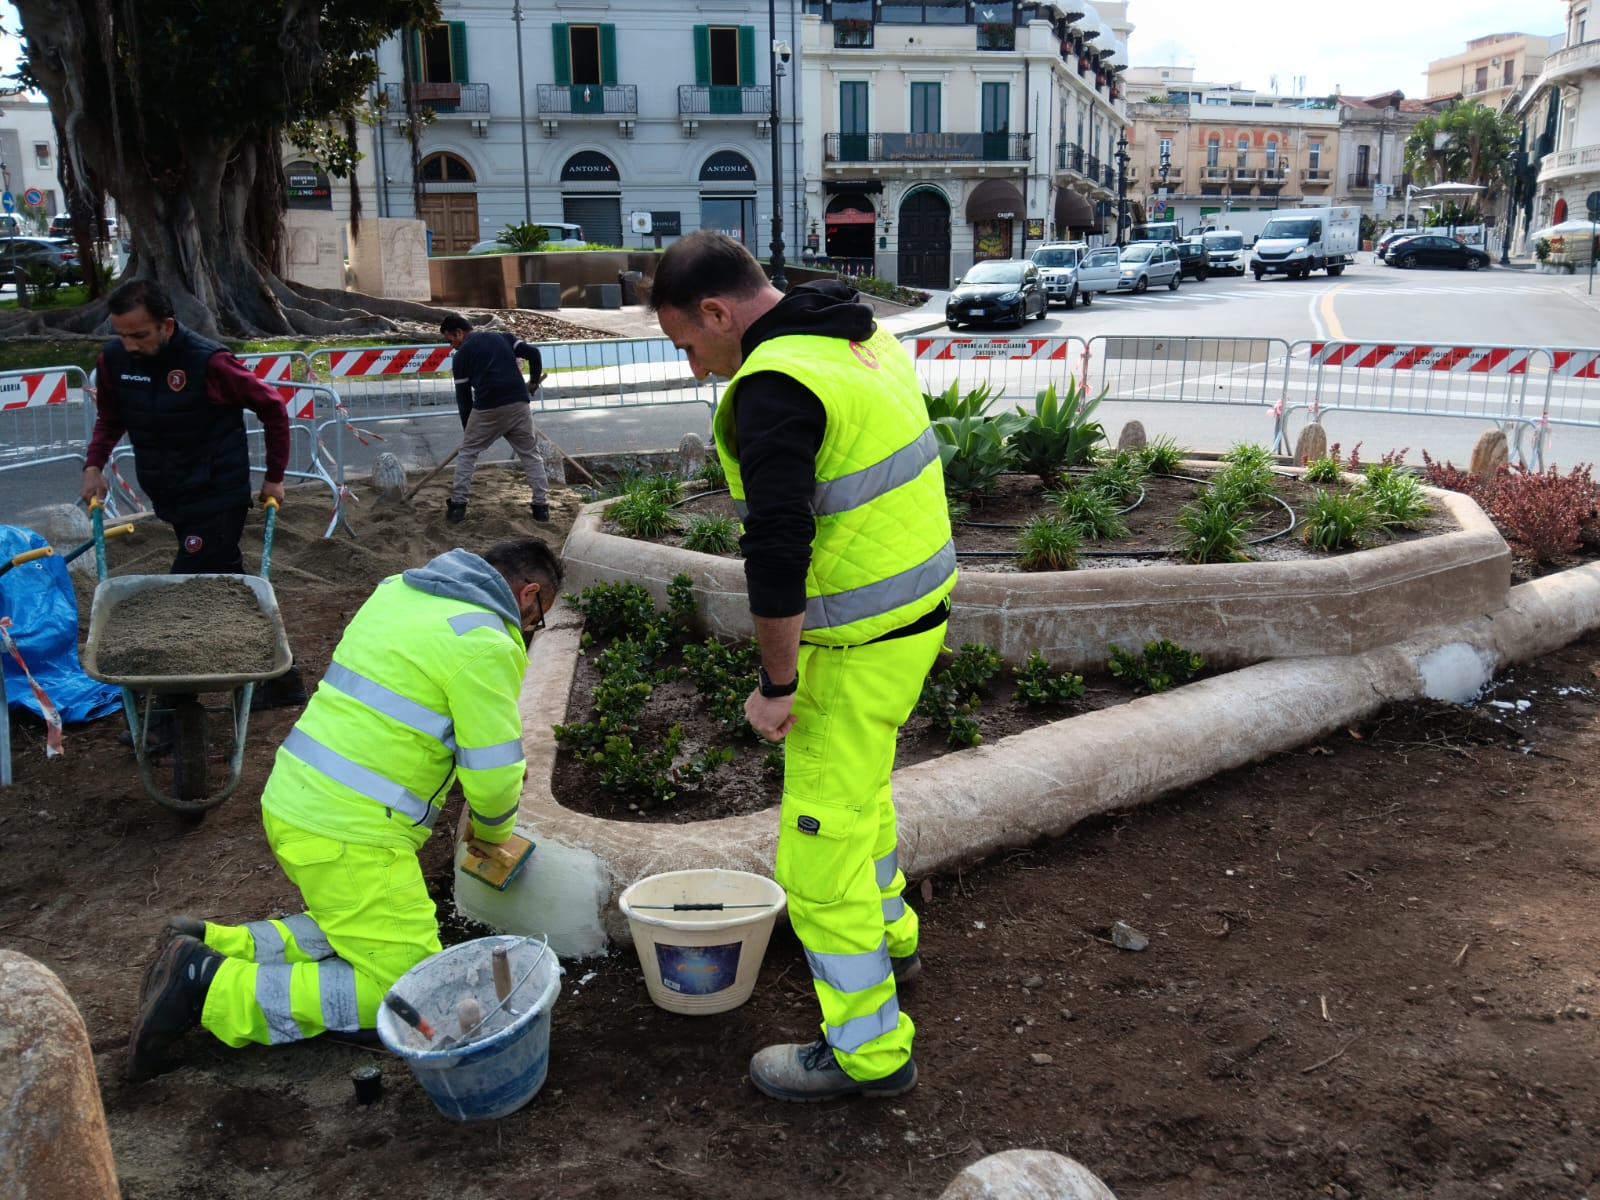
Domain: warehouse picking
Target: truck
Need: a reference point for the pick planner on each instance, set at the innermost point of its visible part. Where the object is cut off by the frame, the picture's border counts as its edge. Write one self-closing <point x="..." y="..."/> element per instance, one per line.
<point x="1243" y="221"/>
<point x="1155" y="231"/>
<point x="1299" y="241"/>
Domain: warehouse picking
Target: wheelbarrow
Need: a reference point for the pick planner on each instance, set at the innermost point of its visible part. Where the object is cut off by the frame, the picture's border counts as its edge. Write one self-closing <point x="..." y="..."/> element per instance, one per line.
<point x="188" y="787"/>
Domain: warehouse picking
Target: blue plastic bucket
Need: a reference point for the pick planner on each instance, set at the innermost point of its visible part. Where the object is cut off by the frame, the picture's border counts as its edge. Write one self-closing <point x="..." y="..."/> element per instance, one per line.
<point x="500" y="1067"/>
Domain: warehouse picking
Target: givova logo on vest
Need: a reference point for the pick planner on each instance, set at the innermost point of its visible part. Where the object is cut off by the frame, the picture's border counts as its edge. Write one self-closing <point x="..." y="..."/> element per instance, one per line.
<point x="176" y="380"/>
<point x="865" y="354"/>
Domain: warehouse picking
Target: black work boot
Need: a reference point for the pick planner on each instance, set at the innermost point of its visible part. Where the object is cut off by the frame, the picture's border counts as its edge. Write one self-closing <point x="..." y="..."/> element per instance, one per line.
<point x="174" y="996"/>
<point x="455" y="513"/>
<point x="284" y="691"/>
<point x="540" y="510"/>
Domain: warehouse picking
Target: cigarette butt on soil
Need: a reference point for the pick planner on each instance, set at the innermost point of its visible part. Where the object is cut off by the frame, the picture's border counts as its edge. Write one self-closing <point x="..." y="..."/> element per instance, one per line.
<point x="1462" y="955"/>
<point x="1325" y="1015"/>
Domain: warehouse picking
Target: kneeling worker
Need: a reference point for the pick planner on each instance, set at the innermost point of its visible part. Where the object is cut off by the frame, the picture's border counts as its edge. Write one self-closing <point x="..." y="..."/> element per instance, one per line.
<point x="422" y="690"/>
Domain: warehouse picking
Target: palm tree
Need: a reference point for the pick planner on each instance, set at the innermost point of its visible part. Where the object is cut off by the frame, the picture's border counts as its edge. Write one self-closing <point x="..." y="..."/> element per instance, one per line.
<point x="1468" y="142"/>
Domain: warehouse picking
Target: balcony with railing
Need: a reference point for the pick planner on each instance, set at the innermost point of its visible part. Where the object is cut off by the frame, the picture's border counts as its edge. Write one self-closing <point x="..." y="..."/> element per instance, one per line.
<point x="1315" y="177"/>
<point x="1574" y="60"/>
<point x="1174" y="174"/>
<point x="444" y="99"/>
<point x="925" y="147"/>
<point x="997" y="35"/>
<point x="852" y="33"/>
<point x="588" y="99"/>
<point x="717" y="100"/>
<point x="1069" y="157"/>
<point x="1246" y="175"/>
<point x="1580" y="160"/>
<point x="1215" y="174"/>
<point x="1272" y="179"/>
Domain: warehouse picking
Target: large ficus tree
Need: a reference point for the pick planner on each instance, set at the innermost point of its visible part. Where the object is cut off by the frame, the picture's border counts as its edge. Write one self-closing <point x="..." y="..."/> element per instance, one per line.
<point x="177" y="109"/>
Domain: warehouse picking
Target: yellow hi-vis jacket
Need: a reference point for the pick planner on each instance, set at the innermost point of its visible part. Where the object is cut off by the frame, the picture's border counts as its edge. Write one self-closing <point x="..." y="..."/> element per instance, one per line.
<point x="423" y="686"/>
<point x="882" y="554"/>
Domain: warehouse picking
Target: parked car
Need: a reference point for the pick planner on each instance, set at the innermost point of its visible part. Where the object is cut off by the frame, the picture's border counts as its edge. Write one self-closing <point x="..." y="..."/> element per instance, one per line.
<point x="997" y="291"/>
<point x="27" y="252"/>
<point x="1147" y="263"/>
<point x="1435" y="250"/>
<point x="1381" y="246"/>
<point x="562" y="235"/>
<point x="1058" y="270"/>
<point x="61" y="226"/>
<point x="1100" y="271"/>
<point x="1193" y="261"/>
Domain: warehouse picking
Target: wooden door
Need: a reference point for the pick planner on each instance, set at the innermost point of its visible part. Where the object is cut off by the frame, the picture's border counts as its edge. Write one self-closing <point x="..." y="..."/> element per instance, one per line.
<point x="452" y="217"/>
<point x="924" y="241"/>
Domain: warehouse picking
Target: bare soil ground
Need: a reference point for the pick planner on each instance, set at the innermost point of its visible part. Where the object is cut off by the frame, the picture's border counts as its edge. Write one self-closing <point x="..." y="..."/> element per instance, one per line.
<point x="1372" y="972"/>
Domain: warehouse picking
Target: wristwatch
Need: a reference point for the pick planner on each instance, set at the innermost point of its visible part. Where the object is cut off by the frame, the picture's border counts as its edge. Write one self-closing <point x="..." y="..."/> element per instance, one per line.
<point x="773" y="691"/>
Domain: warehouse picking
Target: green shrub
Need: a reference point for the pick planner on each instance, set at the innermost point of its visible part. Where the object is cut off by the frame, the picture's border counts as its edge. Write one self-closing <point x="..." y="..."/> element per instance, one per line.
<point x="1092" y="511"/>
<point x="1037" y="685"/>
<point x="1336" y="520"/>
<point x="952" y="402"/>
<point x="722" y="674"/>
<point x="1324" y="470"/>
<point x="1119" y="477"/>
<point x="1396" y="498"/>
<point x="713" y="472"/>
<point x="521" y="237"/>
<point x="711" y="535"/>
<point x="950" y="698"/>
<point x="1214" y="529"/>
<point x="1248" y="476"/>
<point x="975" y="452"/>
<point x="643" y="514"/>
<point x="609" y="609"/>
<point x="1058" y="434"/>
<point x="1163" y="665"/>
<point x="1163" y="456"/>
<point x="884" y="290"/>
<point x="1048" y="544"/>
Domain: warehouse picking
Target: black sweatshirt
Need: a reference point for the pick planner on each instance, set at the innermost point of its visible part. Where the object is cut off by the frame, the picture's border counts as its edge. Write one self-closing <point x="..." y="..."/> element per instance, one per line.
<point x="779" y="423"/>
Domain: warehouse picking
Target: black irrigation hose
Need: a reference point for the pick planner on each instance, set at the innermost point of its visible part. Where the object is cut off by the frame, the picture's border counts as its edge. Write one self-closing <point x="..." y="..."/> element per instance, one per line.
<point x="700" y="496"/>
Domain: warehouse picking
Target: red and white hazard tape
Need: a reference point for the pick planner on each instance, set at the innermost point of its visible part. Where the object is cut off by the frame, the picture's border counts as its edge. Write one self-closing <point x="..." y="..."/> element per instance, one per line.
<point x="52" y="716"/>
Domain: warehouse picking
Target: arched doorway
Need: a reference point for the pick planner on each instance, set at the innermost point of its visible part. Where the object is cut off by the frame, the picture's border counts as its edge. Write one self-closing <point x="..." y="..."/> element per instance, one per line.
<point x="591" y="189"/>
<point x="924" y="240"/>
<point x="848" y="228"/>
<point x="446" y="207"/>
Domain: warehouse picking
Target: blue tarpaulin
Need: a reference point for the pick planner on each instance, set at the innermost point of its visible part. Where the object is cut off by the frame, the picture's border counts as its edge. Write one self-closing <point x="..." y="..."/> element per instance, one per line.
<point x="38" y="598"/>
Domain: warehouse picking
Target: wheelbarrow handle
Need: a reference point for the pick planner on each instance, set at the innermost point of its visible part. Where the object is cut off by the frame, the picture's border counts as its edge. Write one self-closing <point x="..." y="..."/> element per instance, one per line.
<point x="114" y="531"/>
<point x="28" y="556"/>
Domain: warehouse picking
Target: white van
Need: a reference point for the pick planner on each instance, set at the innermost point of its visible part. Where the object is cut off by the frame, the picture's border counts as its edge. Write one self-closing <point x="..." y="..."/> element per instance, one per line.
<point x="1226" y="251"/>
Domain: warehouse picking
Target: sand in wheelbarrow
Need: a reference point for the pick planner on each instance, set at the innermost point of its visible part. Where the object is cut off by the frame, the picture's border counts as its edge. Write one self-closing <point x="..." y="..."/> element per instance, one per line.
<point x="206" y="626"/>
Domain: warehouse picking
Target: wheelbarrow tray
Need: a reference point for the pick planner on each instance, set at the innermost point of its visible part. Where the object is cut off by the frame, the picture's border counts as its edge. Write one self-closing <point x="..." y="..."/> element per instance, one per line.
<point x="110" y="592"/>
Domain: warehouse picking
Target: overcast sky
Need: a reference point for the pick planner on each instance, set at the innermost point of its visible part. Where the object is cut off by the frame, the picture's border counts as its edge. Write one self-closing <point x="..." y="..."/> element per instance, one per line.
<point x="1358" y="46"/>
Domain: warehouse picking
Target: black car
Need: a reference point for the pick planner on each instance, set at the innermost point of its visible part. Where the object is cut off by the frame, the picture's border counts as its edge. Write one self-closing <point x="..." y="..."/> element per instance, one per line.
<point x="1435" y="250"/>
<point x="27" y="252"/>
<point x="1195" y="262"/>
<point x="997" y="292"/>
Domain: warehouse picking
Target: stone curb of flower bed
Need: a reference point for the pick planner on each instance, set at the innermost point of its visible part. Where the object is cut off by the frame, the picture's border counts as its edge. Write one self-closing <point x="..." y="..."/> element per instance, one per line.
<point x="960" y="808"/>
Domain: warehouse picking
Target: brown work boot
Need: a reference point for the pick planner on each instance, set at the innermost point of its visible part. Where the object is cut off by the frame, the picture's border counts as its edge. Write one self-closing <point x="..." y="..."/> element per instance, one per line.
<point x="174" y="996"/>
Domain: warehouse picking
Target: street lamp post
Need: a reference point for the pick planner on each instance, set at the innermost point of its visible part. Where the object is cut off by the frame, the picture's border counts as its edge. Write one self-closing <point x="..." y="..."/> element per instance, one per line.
<point x="1513" y="181"/>
<point x="1122" y="186"/>
<point x="522" y="115"/>
<point x="779" y="280"/>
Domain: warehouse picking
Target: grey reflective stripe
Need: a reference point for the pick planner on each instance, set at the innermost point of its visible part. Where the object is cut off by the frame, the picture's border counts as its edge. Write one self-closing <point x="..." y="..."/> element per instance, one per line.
<point x="886" y="595"/>
<point x="268" y="941"/>
<point x="308" y="936"/>
<point x="741" y="509"/>
<point x="863" y="486"/>
<point x="272" y="997"/>
<point x="851" y="972"/>
<point x="500" y="820"/>
<point x="487" y="758"/>
<point x="883" y="870"/>
<point x="336" y="980"/>
<point x="893" y="910"/>
<point x="854" y="1034"/>
<point x="391" y="703"/>
<point x="358" y="778"/>
<point x="464" y="623"/>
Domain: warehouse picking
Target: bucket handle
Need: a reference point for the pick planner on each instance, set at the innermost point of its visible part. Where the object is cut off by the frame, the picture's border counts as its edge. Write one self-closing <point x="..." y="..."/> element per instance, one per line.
<point x="715" y="906"/>
<point x="527" y="975"/>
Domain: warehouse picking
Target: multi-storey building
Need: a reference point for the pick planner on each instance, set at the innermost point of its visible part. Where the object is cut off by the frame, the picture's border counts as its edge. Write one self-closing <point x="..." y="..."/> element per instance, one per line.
<point x="941" y="132"/>
<point x="1371" y="170"/>
<point x="1489" y="69"/>
<point x="1560" y="114"/>
<point x="589" y="113"/>
<point x="28" y="161"/>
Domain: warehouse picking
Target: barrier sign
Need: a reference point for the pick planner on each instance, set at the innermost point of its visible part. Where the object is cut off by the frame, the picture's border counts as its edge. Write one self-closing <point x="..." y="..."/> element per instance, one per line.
<point x="33" y="391"/>
<point x="1473" y="360"/>
<point x="991" y="347"/>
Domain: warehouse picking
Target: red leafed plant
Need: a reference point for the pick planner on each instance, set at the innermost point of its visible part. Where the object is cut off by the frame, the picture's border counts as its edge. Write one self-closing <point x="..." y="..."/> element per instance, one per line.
<point x="1543" y="514"/>
<point x="1448" y="476"/>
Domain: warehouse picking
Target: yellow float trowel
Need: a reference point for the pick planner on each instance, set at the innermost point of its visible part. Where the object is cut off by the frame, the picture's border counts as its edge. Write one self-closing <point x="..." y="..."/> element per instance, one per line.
<point x="497" y="865"/>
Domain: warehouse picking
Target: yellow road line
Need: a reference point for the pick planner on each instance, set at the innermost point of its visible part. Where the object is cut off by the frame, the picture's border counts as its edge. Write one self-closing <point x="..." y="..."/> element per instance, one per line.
<point x="1335" y="330"/>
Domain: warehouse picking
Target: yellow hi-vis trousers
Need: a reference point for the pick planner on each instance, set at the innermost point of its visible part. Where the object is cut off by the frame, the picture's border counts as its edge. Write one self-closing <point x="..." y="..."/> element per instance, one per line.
<point x="368" y="921"/>
<point x="837" y="841"/>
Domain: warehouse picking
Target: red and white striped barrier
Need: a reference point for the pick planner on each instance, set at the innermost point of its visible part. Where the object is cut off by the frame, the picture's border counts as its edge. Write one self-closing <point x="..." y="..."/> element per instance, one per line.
<point x="387" y="360"/>
<point x="279" y="368"/>
<point x="945" y="349"/>
<point x="1468" y="360"/>
<point x="33" y="390"/>
<point x="1575" y="364"/>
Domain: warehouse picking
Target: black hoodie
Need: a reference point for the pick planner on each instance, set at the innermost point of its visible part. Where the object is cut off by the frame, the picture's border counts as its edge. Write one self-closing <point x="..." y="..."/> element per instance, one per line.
<point x="780" y="424"/>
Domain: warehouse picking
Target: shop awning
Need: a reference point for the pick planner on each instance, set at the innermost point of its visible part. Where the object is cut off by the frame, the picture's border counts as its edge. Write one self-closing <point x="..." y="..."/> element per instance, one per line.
<point x="850" y="216"/>
<point x="993" y="197"/>
<point x="1073" y="211"/>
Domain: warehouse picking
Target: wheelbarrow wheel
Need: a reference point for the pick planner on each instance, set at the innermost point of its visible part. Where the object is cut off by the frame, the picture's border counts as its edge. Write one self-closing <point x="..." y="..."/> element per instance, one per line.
<point x="191" y="778"/>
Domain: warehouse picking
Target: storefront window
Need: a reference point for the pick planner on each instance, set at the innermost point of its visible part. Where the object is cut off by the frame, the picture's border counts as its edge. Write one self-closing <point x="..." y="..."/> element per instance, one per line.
<point x="732" y="215"/>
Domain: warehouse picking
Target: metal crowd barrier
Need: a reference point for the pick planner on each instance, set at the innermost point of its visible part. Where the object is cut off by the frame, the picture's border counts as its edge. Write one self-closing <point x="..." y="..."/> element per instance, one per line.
<point x="1013" y="368"/>
<point x="1487" y="383"/>
<point x="1571" y="397"/>
<point x="1187" y="370"/>
<point x="44" y="417"/>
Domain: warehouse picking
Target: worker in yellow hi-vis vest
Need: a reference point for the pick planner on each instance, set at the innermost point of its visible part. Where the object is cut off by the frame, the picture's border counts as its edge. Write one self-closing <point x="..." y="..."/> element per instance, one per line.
<point x="835" y="473"/>
<point x="422" y="691"/>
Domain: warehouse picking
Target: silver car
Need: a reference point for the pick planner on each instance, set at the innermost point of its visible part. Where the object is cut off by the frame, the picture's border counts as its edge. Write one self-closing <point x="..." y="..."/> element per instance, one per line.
<point x="1147" y="263"/>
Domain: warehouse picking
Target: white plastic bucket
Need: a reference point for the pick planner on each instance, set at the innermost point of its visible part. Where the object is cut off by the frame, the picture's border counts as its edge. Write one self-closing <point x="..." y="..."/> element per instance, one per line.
<point x="702" y="960"/>
<point x="504" y="1063"/>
